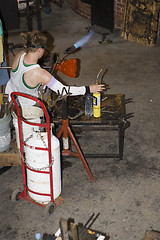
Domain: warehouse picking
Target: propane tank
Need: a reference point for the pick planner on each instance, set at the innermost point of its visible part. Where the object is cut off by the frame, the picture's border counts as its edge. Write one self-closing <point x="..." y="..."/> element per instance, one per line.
<point x="97" y="101"/>
<point x="38" y="160"/>
<point x="31" y="114"/>
<point x="96" y="105"/>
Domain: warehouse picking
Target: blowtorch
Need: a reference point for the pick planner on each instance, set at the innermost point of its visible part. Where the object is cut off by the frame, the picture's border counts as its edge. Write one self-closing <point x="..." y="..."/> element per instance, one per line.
<point x="70" y="50"/>
<point x="79" y="43"/>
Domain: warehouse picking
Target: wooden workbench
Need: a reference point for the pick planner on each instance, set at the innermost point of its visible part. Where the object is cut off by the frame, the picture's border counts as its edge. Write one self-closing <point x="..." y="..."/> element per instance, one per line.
<point x="113" y="118"/>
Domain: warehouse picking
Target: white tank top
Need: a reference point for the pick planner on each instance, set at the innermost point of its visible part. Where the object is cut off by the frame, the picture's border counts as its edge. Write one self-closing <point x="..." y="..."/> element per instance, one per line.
<point x="17" y="83"/>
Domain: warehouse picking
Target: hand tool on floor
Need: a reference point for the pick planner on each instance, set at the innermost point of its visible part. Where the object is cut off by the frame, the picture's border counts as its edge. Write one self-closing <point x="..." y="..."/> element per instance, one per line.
<point x="151" y="235"/>
<point x="85" y="225"/>
<point x="71" y="231"/>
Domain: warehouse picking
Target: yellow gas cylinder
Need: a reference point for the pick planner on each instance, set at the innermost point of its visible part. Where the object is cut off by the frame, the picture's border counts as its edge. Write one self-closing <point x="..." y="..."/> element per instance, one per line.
<point x="96" y="104"/>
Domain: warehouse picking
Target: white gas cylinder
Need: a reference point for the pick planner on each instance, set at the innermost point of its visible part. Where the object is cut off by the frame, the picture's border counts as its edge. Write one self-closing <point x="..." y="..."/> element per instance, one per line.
<point x="32" y="114"/>
<point x="39" y="160"/>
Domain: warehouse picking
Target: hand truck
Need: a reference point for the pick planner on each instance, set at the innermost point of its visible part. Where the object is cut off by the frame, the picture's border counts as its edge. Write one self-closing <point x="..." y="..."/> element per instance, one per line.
<point x="17" y="194"/>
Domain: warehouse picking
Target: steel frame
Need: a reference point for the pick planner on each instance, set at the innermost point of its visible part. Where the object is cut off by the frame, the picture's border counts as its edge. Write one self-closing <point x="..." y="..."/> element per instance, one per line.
<point x="24" y="194"/>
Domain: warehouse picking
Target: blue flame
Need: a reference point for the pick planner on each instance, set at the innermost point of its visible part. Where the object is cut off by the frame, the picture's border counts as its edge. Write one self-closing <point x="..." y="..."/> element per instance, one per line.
<point x="84" y="40"/>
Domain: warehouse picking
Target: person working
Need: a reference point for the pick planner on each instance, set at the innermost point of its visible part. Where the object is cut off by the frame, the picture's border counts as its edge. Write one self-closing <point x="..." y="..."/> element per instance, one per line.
<point x="27" y="75"/>
<point x="47" y="6"/>
<point x="4" y="77"/>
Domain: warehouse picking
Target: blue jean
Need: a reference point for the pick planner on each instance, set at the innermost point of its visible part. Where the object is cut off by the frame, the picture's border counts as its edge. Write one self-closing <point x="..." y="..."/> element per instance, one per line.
<point x="4" y="76"/>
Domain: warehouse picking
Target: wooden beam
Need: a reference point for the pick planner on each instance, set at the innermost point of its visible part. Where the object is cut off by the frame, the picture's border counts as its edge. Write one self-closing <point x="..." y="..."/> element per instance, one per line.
<point x="141" y="21"/>
<point x="10" y="157"/>
<point x="151" y="235"/>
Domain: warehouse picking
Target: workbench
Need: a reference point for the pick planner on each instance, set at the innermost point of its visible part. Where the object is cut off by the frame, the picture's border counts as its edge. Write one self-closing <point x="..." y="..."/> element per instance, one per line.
<point x="113" y="117"/>
<point x="32" y="8"/>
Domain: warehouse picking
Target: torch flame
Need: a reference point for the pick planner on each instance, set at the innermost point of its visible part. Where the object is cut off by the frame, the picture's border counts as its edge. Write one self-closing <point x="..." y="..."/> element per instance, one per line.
<point x="84" y="40"/>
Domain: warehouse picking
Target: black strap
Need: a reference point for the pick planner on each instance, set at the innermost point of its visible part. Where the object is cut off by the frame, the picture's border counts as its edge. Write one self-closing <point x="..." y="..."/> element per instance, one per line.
<point x="87" y="89"/>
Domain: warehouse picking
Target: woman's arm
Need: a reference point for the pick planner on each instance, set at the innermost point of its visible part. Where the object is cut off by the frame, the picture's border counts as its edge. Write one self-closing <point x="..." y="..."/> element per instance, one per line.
<point x="45" y="78"/>
<point x="56" y="86"/>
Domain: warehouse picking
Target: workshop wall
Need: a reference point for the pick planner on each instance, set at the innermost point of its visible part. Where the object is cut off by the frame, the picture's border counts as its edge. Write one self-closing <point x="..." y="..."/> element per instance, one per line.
<point x="119" y="13"/>
<point x="9" y="14"/>
<point x="80" y="7"/>
<point x="83" y="7"/>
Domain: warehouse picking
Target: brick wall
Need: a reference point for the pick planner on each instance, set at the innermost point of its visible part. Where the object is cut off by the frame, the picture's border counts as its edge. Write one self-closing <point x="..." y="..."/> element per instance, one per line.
<point x="85" y="10"/>
<point x="118" y="13"/>
<point x="80" y="7"/>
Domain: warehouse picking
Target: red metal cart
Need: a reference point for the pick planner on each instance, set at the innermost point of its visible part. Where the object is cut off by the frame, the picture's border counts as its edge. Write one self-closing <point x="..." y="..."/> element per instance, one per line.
<point x="17" y="194"/>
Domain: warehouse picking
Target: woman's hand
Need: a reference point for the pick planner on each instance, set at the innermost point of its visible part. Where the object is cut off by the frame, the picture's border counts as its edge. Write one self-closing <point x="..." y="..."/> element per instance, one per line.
<point x="97" y="88"/>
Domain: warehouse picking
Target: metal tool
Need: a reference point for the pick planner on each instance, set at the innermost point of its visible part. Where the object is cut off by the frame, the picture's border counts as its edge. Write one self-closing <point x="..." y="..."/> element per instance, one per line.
<point x="100" y="71"/>
<point x="79" y="43"/>
<point x="72" y="231"/>
<point x="85" y="225"/>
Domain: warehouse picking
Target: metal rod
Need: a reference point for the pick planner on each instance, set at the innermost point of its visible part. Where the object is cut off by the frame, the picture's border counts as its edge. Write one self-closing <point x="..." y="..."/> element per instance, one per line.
<point x="99" y="72"/>
<point x="86" y="224"/>
<point x="94" y="220"/>
<point x="104" y="98"/>
<point x="5" y="67"/>
<point x="104" y="74"/>
<point x="45" y="67"/>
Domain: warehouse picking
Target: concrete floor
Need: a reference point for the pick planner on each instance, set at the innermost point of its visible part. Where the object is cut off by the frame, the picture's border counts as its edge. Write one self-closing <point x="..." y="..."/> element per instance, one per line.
<point x="126" y="193"/>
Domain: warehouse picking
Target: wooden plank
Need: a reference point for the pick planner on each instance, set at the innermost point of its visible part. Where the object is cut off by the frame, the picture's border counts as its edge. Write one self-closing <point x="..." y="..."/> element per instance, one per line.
<point x="64" y="229"/>
<point x="10" y="157"/>
<point x="151" y="235"/>
<point x="141" y="21"/>
<point x="73" y="228"/>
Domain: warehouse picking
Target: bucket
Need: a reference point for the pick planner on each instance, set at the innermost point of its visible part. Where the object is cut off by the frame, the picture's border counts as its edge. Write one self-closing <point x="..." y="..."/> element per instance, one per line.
<point x="5" y="133"/>
<point x="39" y="160"/>
<point x="31" y="114"/>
